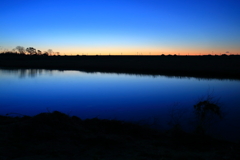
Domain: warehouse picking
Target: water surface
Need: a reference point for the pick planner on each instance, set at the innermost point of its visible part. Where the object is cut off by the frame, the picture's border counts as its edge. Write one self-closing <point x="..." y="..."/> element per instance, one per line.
<point x="136" y="98"/>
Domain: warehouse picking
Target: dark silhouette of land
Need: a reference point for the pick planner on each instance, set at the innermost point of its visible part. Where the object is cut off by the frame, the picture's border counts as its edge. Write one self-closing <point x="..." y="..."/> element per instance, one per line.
<point x="194" y="66"/>
<point x="59" y="136"/>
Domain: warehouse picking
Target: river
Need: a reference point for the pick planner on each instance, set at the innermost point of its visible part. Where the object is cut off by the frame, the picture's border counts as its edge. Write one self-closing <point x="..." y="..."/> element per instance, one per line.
<point x="159" y="101"/>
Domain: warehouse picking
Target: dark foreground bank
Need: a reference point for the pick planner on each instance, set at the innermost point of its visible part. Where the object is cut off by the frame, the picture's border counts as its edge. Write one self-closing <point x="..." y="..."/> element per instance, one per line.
<point x="194" y="66"/>
<point x="58" y="136"/>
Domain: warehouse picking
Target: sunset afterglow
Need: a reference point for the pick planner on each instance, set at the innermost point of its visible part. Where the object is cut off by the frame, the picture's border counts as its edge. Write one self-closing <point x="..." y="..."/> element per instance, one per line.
<point x="127" y="27"/>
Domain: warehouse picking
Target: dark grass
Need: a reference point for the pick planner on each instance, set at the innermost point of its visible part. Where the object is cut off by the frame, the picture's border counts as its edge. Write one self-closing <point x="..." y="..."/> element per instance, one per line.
<point x="222" y="67"/>
<point x="59" y="136"/>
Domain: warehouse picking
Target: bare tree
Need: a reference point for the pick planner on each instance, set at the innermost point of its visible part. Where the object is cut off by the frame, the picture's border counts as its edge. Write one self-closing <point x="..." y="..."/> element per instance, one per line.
<point x="14" y="50"/>
<point x="208" y="111"/>
<point x="31" y="50"/>
<point x="39" y="52"/>
<point x="20" y="49"/>
<point x="50" y="52"/>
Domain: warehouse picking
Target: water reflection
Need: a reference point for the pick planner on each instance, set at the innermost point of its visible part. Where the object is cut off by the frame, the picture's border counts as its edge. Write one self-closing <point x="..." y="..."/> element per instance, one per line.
<point x="157" y="75"/>
<point x="23" y="73"/>
<point x="32" y="73"/>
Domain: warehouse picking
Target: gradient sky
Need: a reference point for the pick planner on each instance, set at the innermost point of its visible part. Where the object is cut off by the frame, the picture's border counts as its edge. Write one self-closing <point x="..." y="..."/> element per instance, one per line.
<point x="122" y="26"/>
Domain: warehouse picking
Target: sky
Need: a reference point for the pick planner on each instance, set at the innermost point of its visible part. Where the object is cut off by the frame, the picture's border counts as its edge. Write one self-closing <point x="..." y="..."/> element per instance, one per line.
<point x="102" y="27"/>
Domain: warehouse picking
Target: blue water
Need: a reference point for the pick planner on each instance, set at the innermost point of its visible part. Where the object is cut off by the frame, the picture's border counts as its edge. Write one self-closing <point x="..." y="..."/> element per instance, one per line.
<point x="135" y="98"/>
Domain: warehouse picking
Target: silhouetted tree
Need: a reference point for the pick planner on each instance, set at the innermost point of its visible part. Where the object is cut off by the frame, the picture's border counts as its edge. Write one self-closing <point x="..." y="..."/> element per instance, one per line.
<point x="45" y="53"/>
<point x="39" y="52"/>
<point x="14" y="51"/>
<point x="31" y="50"/>
<point x="50" y="52"/>
<point x="20" y="49"/>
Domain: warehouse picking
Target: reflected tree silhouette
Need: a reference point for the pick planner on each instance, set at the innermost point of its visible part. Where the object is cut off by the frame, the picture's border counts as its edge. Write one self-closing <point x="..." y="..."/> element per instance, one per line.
<point x="23" y="73"/>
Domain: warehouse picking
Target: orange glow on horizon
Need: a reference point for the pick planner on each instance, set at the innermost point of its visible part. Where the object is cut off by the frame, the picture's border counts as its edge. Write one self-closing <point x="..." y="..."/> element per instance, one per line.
<point x="142" y="51"/>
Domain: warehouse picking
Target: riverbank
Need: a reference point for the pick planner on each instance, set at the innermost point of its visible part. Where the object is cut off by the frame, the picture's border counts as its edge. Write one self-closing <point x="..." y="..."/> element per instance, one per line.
<point x="221" y="67"/>
<point x="59" y="136"/>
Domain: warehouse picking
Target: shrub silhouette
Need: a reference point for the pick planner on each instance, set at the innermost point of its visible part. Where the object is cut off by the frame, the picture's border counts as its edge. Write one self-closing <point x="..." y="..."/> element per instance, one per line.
<point x="207" y="112"/>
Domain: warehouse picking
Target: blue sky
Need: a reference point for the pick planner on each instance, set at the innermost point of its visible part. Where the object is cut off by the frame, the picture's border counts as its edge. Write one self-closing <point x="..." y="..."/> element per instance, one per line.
<point x="122" y="26"/>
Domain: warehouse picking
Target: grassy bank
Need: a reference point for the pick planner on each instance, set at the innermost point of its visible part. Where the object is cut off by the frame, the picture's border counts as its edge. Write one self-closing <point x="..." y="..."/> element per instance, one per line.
<point x="194" y="66"/>
<point x="58" y="136"/>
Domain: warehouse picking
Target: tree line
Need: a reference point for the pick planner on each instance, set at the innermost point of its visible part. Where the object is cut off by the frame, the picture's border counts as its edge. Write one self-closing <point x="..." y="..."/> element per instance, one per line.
<point x="32" y="51"/>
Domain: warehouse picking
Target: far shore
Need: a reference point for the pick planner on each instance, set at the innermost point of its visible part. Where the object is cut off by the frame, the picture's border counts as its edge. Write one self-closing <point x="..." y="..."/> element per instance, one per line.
<point x="222" y="67"/>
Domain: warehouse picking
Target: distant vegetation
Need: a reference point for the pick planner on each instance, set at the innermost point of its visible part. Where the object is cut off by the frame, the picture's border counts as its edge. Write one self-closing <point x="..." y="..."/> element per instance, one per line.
<point x="19" y="50"/>
<point x="205" y="66"/>
<point x="31" y="51"/>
